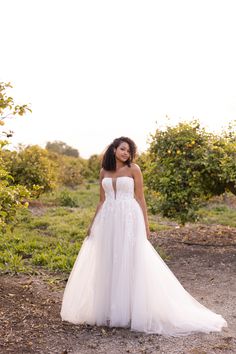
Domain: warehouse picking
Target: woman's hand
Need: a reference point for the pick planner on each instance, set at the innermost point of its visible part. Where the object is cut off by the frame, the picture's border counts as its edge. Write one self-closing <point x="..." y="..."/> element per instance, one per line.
<point x="147" y="232"/>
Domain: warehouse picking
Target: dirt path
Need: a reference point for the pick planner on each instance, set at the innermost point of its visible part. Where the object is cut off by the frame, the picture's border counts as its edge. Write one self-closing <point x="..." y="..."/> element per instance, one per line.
<point x="30" y="306"/>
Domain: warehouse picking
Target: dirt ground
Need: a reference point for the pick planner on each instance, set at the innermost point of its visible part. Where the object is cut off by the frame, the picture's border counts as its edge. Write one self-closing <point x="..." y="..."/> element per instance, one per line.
<point x="203" y="261"/>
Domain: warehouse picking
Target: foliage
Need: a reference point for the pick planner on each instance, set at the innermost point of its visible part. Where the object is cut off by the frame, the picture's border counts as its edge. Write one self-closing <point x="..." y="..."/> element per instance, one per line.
<point x="228" y="164"/>
<point x="217" y="214"/>
<point x="61" y="148"/>
<point x="85" y="196"/>
<point x="186" y="165"/>
<point x="68" y="169"/>
<point x="69" y="172"/>
<point x="8" y="108"/>
<point x="67" y="199"/>
<point x="92" y="168"/>
<point x="51" y="238"/>
<point x="31" y="167"/>
<point x="12" y="197"/>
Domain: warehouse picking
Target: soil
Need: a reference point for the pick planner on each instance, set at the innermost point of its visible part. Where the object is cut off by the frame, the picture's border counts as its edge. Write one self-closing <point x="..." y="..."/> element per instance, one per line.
<point x="202" y="257"/>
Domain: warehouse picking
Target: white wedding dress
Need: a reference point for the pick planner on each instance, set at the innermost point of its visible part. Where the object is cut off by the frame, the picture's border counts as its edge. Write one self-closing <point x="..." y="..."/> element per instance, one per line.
<point x="119" y="279"/>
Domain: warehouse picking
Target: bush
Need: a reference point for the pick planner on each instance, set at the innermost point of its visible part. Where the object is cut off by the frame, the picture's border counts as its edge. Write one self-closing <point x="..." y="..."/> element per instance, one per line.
<point x="67" y="199"/>
<point x="31" y="167"/>
<point x="11" y="198"/>
<point x="70" y="171"/>
<point x="186" y="165"/>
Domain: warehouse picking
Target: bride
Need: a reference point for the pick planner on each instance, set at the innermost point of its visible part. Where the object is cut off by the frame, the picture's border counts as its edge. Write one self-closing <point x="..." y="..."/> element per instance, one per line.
<point x="118" y="279"/>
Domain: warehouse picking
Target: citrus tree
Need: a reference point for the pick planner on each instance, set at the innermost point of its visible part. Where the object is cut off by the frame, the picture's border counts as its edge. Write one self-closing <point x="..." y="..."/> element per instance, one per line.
<point x="30" y="166"/>
<point x="70" y="171"/>
<point x="187" y="165"/>
<point x="92" y="168"/>
<point x="11" y="197"/>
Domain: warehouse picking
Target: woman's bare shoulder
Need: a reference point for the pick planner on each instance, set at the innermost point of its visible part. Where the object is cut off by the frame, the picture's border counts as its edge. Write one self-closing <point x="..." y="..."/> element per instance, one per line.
<point x="135" y="168"/>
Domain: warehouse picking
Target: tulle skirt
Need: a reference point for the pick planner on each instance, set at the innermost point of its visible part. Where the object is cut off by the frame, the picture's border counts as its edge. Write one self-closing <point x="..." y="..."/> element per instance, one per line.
<point x="119" y="280"/>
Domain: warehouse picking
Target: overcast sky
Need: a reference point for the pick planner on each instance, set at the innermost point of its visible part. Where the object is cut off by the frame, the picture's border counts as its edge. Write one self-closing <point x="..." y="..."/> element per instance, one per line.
<point x="95" y="70"/>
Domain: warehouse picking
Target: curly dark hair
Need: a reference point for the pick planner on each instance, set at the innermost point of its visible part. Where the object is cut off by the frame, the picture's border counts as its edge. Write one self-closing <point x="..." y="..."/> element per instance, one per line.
<point x="109" y="161"/>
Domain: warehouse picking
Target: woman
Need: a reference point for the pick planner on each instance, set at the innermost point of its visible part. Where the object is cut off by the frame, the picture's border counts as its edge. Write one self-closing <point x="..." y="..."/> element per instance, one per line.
<point x="118" y="279"/>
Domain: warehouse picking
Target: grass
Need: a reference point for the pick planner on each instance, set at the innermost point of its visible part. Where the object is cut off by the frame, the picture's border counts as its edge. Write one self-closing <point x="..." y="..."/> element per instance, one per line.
<point x="51" y="241"/>
<point x="218" y="213"/>
<point x="157" y="223"/>
<point x="84" y="196"/>
<point x="50" y="237"/>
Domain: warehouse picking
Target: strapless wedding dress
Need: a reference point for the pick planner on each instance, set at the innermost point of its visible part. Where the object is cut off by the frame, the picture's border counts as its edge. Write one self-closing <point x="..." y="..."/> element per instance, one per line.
<point x="119" y="280"/>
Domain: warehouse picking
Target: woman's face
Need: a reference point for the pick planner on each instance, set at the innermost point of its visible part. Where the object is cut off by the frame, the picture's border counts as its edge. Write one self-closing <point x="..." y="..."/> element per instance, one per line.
<point x="122" y="152"/>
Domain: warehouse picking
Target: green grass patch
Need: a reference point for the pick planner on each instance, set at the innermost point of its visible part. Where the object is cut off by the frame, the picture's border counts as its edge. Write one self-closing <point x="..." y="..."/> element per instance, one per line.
<point x="84" y="196"/>
<point x="157" y="223"/>
<point x="49" y="236"/>
<point x="51" y="241"/>
<point x="219" y="214"/>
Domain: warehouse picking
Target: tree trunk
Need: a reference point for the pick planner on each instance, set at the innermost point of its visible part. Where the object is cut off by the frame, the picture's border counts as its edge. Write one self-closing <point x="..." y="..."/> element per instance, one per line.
<point x="232" y="187"/>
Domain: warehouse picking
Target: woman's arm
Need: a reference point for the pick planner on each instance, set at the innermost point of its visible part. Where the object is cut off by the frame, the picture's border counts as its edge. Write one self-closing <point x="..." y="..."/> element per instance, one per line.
<point x="139" y="194"/>
<point x="101" y="200"/>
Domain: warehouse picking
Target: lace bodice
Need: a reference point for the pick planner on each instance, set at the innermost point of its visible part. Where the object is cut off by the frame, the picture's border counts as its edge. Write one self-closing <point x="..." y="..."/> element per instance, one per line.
<point x="118" y="188"/>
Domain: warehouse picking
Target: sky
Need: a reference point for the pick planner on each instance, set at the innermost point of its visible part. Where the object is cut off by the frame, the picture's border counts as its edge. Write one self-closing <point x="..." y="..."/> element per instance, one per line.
<point x="96" y="70"/>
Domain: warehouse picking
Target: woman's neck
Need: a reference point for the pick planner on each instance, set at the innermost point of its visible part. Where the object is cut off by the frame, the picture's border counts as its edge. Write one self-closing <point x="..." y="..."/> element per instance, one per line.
<point x="119" y="165"/>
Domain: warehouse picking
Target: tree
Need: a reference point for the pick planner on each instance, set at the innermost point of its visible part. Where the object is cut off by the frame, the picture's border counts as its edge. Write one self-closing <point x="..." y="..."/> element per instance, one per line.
<point x="31" y="167"/>
<point x="93" y="166"/>
<point x="8" y="108"/>
<point x="228" y="161"/>
<point x="188" y="165"/>
<point x="11" y="197"/>
<point x="62" y="148"/>
<point x="70" y="171"/>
